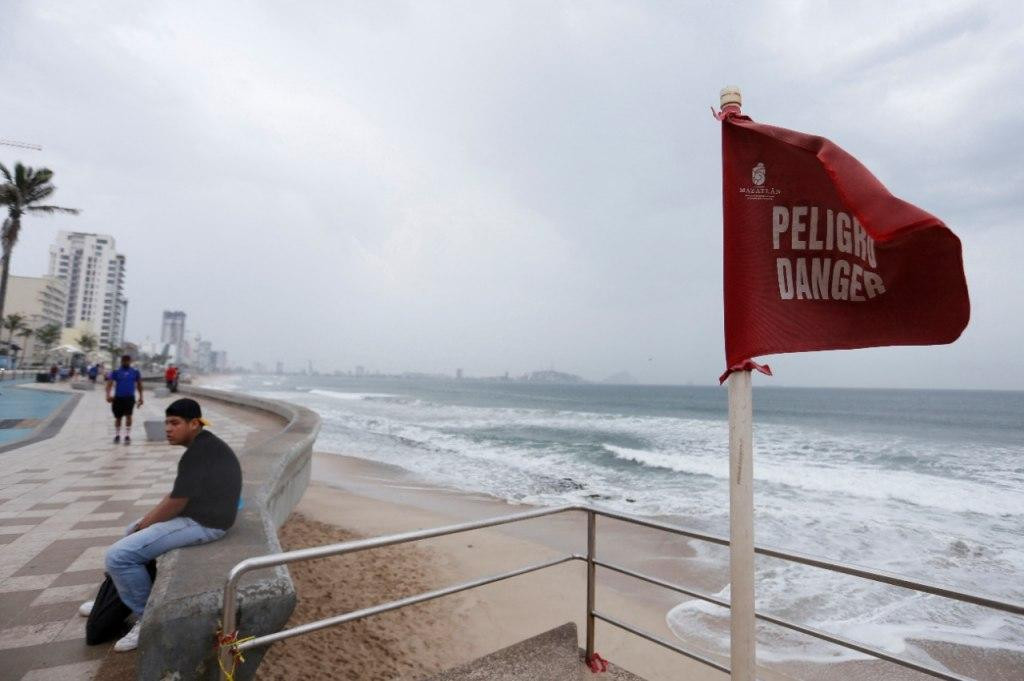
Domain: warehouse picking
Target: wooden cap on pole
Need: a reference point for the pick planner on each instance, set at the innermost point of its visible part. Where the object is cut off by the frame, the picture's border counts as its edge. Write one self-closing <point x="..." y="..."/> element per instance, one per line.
<point x="730" y="98"/>
<point x="730" y="94"/>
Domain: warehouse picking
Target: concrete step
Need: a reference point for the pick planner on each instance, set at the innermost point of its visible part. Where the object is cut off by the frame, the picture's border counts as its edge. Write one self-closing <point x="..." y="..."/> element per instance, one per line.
<point x="552" y="656"/>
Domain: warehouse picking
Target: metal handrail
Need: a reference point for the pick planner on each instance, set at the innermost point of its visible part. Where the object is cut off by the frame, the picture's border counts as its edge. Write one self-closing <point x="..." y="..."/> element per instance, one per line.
<point x="310" y="627"/>
<point x="844" y="568"/>
<point x="809" y="631"/>
<point x="660" y="641"/>
<point x="273" y="560"/>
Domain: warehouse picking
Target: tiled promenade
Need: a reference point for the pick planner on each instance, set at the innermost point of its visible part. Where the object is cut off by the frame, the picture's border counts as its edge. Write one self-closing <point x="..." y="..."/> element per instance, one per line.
<point x="63" y="501"/>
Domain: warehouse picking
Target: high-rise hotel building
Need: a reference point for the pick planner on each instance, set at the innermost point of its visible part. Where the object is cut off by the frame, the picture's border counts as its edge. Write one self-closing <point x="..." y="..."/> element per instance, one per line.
<point x="94" y="272"/>
<point x="173" y="329"/>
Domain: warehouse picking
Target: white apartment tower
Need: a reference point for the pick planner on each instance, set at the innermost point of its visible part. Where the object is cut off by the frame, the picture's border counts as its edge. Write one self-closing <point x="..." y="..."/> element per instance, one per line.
<point x="94" y="272"/>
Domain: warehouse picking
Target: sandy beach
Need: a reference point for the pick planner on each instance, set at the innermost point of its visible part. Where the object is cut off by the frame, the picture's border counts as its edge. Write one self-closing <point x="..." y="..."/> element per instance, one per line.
<point x="353" y="498"/>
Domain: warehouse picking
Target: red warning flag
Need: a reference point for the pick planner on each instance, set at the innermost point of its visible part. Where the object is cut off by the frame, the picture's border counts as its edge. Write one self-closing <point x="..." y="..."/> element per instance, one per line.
<point x="820" y="256"/>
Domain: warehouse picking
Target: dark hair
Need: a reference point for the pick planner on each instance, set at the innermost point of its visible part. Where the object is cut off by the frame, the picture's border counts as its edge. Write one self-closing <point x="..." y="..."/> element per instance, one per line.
<point x="126" y="357"/>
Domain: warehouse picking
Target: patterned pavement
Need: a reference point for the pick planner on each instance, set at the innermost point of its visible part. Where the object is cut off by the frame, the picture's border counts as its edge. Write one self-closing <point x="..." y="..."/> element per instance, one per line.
<point x="63" y="501"/>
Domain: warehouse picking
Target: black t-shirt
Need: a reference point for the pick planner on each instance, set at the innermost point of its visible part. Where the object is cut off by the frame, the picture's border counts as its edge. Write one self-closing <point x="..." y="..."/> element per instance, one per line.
<point x="211" y="478"/>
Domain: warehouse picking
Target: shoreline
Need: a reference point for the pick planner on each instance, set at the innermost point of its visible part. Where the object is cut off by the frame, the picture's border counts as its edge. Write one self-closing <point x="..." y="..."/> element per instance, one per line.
<point x="458" y="628"/>
<point x="365" y="482"/>
<point x="361" y="498"/>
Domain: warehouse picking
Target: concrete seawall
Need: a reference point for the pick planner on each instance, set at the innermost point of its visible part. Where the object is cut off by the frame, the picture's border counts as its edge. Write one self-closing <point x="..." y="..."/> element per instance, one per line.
<point x="185" y="604"/>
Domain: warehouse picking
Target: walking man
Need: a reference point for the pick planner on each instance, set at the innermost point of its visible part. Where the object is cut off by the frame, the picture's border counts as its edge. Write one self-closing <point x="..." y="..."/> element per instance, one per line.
<point x="124" y="381"/>
<point x="200" y="508"/>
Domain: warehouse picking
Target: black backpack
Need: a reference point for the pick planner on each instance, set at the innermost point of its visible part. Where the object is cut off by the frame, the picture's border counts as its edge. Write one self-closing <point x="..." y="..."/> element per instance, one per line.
<point x="108" y="619"/>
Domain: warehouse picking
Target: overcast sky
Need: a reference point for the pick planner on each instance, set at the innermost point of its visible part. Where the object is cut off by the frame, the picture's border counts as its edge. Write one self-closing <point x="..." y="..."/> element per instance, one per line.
<point x="502" y="186"/>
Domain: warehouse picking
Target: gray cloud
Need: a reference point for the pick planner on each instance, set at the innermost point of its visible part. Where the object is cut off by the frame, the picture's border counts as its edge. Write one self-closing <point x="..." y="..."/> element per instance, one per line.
<point x="501" y="186"/>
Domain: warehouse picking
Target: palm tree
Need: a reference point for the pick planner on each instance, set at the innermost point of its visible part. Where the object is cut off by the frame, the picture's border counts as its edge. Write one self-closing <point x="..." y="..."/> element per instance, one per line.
<point x="26" y="333"/>
<point x="114" y="352"/>
<point x="22" y="193"/>
<point x="87" y="342"/>
<point x="48" y="335"/>
<point x="13" y="323"/>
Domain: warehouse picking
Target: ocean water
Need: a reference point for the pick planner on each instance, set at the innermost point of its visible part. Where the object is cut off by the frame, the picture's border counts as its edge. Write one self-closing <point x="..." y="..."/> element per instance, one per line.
<point x="926" y="484"/>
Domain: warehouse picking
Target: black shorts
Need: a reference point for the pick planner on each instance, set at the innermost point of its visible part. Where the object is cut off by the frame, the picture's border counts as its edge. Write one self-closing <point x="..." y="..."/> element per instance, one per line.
<point x="122" y="406"/>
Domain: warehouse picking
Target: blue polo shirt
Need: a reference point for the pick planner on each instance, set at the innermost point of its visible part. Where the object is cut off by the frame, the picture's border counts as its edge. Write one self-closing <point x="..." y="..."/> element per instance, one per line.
<point x="124" y="381"/>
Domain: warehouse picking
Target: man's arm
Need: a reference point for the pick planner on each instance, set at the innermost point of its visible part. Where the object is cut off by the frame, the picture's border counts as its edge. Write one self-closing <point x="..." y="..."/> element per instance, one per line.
<point x="110" y="385"/>
<point x="169" y="507"/>
<point x="138" y="384"/>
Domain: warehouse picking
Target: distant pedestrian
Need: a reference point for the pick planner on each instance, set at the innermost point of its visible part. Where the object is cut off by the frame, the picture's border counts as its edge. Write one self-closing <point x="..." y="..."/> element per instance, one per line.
<point x="171" y="377"/>
<point x="200" y="508"/>
<point x="124" y="381"/>
<point x="94" y="371"/>
<point x="53" y="373"/>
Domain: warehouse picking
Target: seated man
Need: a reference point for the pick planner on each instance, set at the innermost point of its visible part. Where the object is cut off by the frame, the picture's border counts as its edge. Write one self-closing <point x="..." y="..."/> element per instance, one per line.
<point x="200" y="508"/>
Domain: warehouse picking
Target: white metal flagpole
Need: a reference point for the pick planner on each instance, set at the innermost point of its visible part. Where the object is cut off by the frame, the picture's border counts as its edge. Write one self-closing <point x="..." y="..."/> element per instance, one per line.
<point x="742" y="649"/>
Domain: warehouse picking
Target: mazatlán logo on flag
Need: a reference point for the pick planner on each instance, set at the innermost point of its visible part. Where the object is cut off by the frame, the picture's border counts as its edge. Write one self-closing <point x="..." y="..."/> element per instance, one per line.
<point x="757" y="190"/>
<point x="757" y="174"/>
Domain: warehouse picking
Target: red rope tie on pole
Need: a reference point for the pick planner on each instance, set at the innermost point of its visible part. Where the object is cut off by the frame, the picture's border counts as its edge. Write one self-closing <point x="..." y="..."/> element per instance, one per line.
<point x="745" y="365"/>
<point x="597" y="663"/>
<point x="231" y="640"/>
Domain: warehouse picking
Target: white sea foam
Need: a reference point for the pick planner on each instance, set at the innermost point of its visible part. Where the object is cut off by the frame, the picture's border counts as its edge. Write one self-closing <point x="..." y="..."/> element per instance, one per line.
<point x="946" y="512"/>
<point x="895" y="627"/>
<point x="220" y="385"/>
<point x="338" y="395"/>
<point x="695" y="447"/>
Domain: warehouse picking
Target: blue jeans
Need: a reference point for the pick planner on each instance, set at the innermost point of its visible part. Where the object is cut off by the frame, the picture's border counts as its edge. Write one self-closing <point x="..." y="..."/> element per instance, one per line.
<point x="127" y="558"/>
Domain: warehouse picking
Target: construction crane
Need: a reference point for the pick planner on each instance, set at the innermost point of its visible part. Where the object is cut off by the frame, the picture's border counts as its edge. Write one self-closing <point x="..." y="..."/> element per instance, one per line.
<point x="20" y="145"/>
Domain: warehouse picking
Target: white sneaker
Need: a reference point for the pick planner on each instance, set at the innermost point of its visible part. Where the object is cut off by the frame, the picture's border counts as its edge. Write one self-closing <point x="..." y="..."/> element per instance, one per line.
<point x="129" y="641"/>
<point x="85" y="609"/>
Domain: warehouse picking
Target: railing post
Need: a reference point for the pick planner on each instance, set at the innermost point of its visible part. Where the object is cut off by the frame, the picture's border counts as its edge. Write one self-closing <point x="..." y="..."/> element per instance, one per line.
<point x="228" y="624"/>
<point x="591" y="585"/>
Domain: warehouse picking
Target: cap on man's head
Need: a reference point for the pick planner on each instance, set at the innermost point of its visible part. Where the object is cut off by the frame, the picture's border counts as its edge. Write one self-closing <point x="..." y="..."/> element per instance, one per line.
<point x="187" y="409"/>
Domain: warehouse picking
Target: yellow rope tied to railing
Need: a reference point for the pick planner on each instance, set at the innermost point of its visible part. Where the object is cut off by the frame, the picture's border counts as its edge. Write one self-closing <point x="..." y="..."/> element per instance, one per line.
<point x="230" y="640"/>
